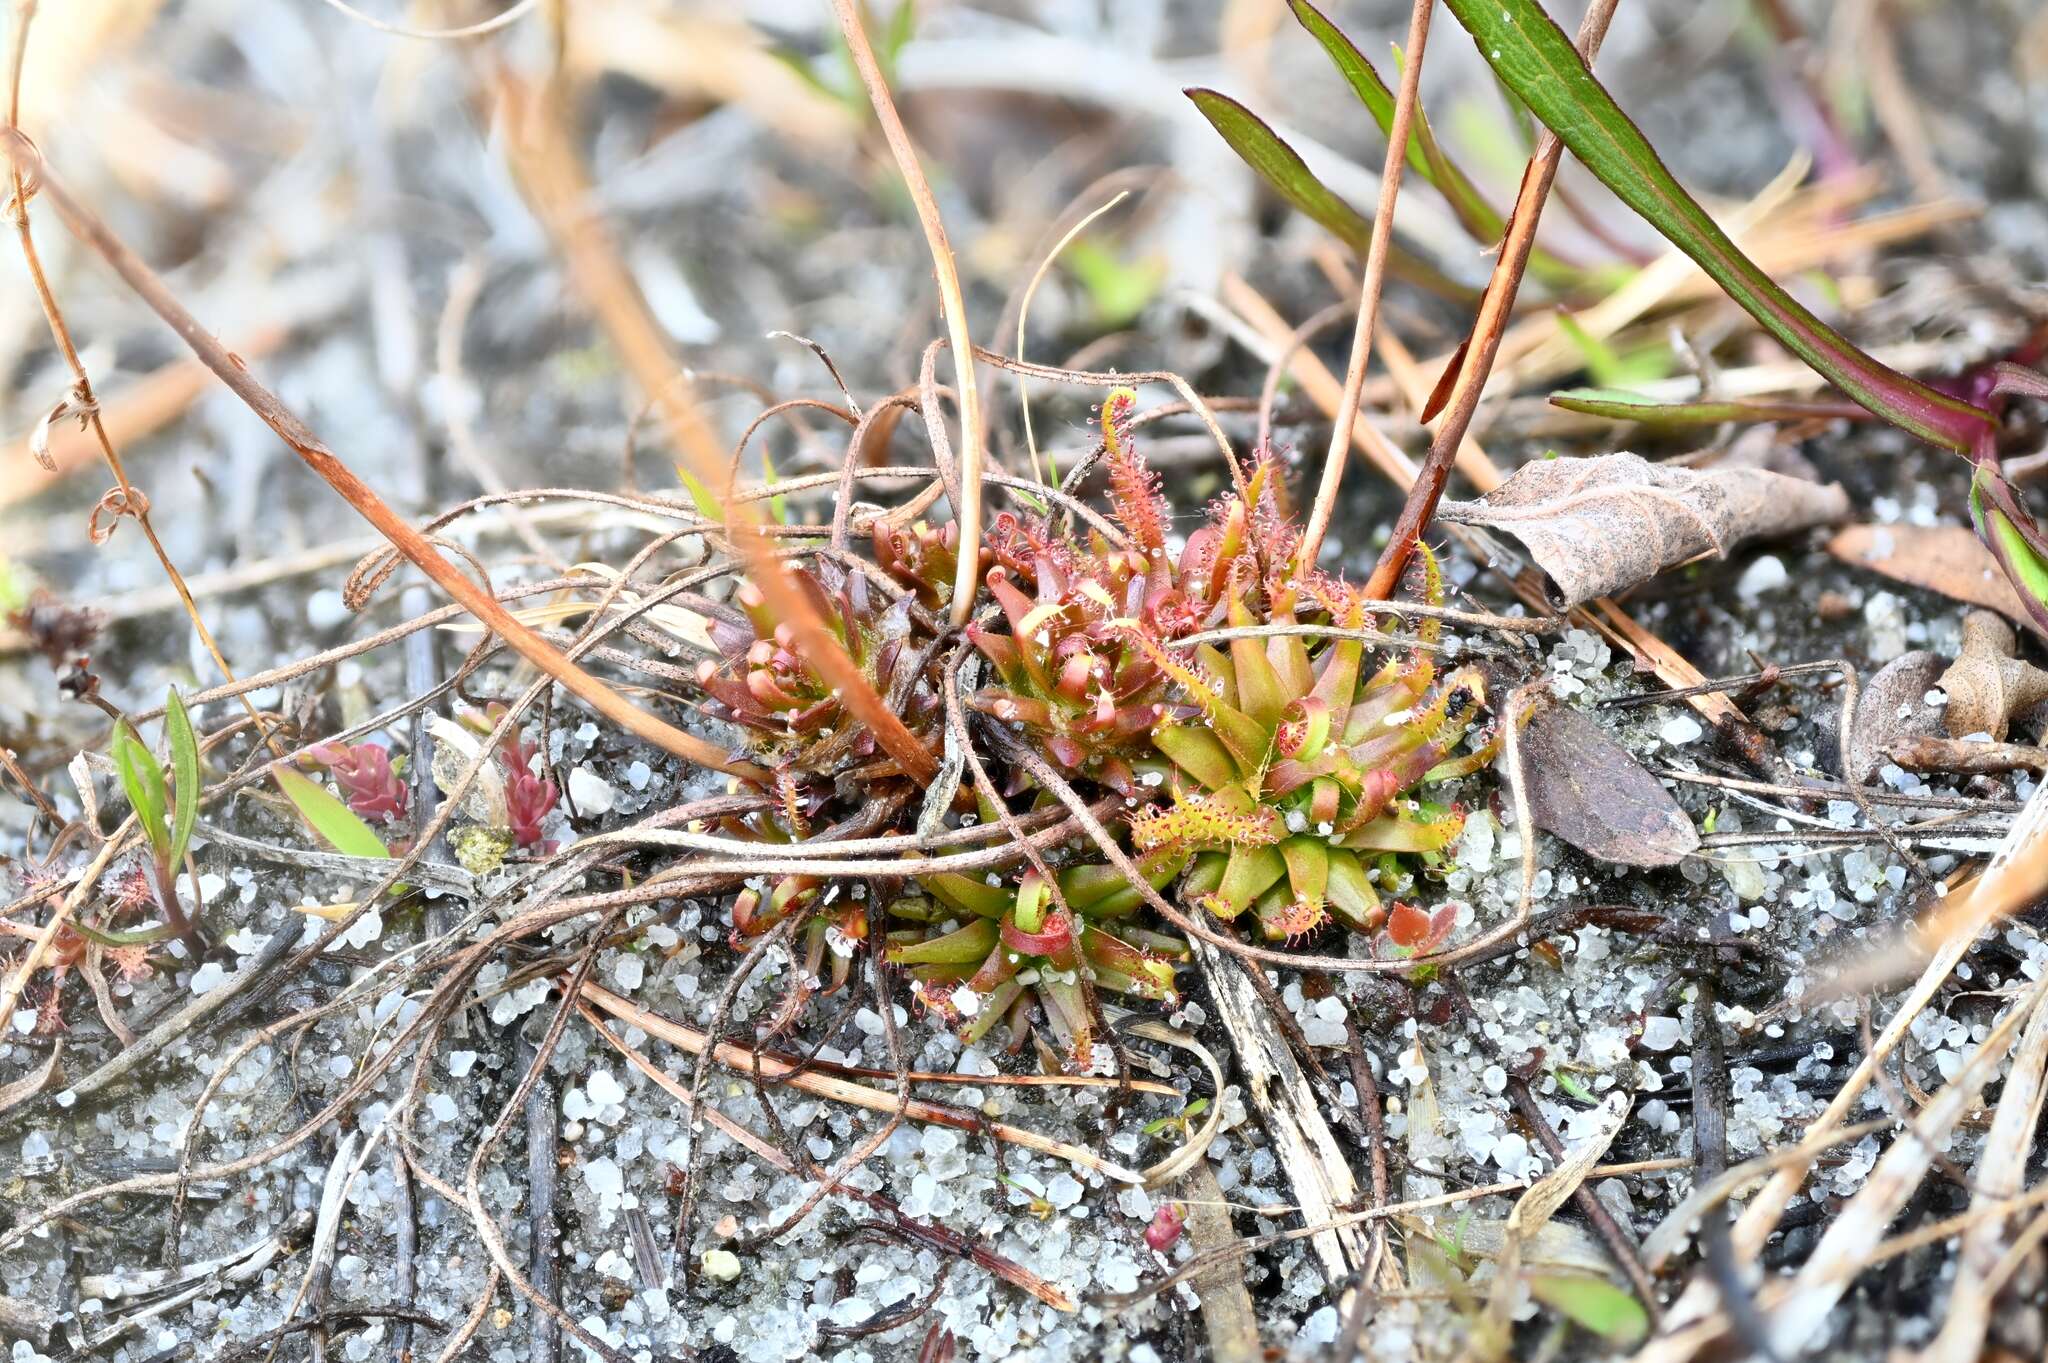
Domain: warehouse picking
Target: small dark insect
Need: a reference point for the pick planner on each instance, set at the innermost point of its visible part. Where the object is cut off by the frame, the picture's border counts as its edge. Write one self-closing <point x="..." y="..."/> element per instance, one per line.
<point x="55" y="629"/>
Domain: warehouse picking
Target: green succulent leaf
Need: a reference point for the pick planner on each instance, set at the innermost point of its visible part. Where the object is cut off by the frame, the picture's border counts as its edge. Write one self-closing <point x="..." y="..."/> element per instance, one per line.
<point x="962" y="946"/>
<point x="338" y="825"/>
<point x="143" y="782"/>
<point x="184" y="746"/>
<point x="1534" y="58"/>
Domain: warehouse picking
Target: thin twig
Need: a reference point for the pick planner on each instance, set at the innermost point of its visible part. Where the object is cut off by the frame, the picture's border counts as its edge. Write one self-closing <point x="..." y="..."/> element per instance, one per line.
<point x="606" y="701"/>
<point x="1369" y="292"/>
<point x="1477" y="363"/>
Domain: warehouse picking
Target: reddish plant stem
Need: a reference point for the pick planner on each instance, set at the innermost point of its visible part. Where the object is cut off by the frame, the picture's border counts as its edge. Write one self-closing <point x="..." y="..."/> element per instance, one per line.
<point x="24" y="187"/>
<point x="1495" y="306"/>
<point x="546" y="163"/>
<point x="88" y="227"/>
<point x="1369" y="291"/>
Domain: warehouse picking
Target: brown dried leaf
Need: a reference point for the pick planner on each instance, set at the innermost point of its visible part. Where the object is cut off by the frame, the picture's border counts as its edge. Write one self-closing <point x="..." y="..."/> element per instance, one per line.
<point x="1601" y="525"/>
<point x="1893" y="709"/>
<point x="1584" y="788"/>
<point x="1948" y="559"/>
<point x="29" y="1085"/>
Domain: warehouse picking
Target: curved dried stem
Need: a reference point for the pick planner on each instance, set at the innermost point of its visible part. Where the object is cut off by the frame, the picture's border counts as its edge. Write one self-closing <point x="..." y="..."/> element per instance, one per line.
<point x="25" y="173"/>
<point x="967" y="505"/>
<point x="88" y="226"/>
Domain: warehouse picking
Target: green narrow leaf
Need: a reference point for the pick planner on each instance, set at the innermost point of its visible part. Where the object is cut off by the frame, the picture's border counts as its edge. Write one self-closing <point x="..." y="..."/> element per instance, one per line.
<point x="1573" y="1087"/>
<point x="2015" y="552"/>
<point x="901" y="24"/>
<point x="132" y="938"/>
<point x="1118" y="289"/>
<point x="1535" y="59"/>
<point x="1593" y="1304"/>
<point x="1620" y="405"/>
<point x="1374" y="94"/>
<point x="1280" y="166"/>
<point x="337" y="824"/>
<point x="184" y="746"/>
<point x="1424" y="154"/>
<point x="144" y="784"/>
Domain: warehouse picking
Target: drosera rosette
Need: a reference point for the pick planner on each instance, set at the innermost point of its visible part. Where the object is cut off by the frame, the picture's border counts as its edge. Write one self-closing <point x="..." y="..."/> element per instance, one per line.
<point x="1295" y="768"/>
<point x="511" y="799"/>
<point x="1067" y="672"/>
<point x="792" y="717"/>
<point x="981" y="953"/>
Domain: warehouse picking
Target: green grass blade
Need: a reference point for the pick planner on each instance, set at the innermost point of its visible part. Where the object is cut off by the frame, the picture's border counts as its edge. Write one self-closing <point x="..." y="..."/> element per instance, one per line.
<point x="1535" y="59"/>
<point x="701" y="496"/>
<point x="185" y="776"/>
<point x="335" y="822"/>
<point x="1372" y="92"/>
<point x="144" y="784"/>
<point x="1280" y="166"/>
<point x="778" y="505"/>
<point x="1610" y="367"/>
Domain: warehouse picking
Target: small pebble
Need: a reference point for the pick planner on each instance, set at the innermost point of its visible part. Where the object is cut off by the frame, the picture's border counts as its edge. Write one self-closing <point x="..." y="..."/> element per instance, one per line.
<point x="1680" y="730"/>
<point x="590" y="793"/>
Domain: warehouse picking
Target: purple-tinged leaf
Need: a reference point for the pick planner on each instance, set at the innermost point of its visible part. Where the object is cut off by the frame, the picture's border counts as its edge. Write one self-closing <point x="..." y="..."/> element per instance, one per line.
<point x="1534" y="58"/>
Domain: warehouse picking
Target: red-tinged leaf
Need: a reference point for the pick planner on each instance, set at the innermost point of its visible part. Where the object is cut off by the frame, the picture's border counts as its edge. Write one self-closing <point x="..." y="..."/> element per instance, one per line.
<point x="1165" y="1228"/>
<point x="1446" y="382"/>
<point x="1408" y="926"/>
<point x="1537" y="61"/>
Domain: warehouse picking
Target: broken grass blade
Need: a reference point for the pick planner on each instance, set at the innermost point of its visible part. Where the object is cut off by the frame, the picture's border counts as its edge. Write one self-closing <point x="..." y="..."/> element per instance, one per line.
<point x="1281" y="166"/>
<point x="1617" y="404"/>
<point x="1535" y="59"/>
